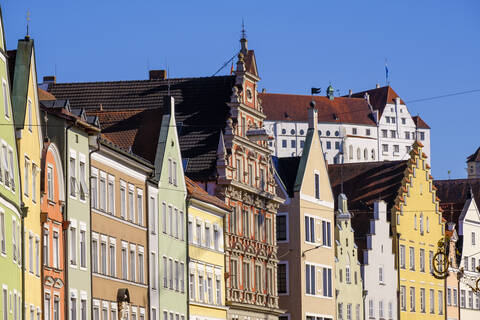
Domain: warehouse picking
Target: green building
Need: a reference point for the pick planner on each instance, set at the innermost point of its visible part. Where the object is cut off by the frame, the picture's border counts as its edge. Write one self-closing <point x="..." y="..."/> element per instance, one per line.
<point x="11" y="221"/>
<point x="70" y="130"/>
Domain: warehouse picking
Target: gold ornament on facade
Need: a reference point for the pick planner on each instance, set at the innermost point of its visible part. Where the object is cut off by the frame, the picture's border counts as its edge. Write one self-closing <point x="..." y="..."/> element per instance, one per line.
<point x="440" y="261"/>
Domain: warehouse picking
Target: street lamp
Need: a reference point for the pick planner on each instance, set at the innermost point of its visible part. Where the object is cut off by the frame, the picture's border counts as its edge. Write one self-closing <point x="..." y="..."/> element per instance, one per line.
<point x="316" y="247"/>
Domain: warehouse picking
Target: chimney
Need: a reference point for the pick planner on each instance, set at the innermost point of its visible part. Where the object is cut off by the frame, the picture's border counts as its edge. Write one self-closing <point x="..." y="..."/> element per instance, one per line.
<point x="377" y="85"/>
<point x="49" y="79"/>
<point x="157" y="74"/>
<point x="312" y="116"/>
<point x="350" y="92"/>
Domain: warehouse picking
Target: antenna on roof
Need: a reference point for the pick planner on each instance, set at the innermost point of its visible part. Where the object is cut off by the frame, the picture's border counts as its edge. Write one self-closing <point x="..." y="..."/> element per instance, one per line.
<point x="28" y="23"/>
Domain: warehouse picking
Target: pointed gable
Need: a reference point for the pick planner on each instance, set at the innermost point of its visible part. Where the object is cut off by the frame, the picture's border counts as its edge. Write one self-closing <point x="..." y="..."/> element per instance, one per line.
<point x="251" y="63"/>
<point x="379" y="97"/>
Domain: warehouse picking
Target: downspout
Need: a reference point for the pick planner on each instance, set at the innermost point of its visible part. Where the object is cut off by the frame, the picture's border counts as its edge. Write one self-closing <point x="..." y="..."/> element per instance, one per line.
<point x="65" y="218"/>
<point x="187" y="264"/>
<point x="398" y="274"/>
<point x="90" y="218"/>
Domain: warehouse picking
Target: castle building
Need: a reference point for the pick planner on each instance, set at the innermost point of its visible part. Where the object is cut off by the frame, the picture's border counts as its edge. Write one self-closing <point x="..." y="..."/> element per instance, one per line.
<point x="372" y="125"/>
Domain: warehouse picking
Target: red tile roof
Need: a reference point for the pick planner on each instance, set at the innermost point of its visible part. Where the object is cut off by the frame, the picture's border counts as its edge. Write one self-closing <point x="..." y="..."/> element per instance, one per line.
<point x="196" y="192"/>
<point x="475" y="156"/>
<point x="290" y="107"/>
<point x="420" y="123"/>
<point x="45" y="96"/>
<point x="379" y="97"/>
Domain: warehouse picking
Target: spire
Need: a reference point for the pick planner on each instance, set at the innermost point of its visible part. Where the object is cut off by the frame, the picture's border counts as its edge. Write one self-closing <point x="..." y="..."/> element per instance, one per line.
<point x="28" y="24"/>
<point x="243" y="40"/>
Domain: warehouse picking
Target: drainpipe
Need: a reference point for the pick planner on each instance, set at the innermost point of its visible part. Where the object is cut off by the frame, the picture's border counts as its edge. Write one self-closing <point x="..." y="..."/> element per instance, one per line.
<point x="90" y="219"/>
<point x="187" y="263"/>
<point x="398" y="275"/>
<point x="65" y="218"/>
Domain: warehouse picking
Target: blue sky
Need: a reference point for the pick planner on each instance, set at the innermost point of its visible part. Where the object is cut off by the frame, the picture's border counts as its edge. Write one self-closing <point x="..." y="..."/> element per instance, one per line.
<point x="432" y="48"/>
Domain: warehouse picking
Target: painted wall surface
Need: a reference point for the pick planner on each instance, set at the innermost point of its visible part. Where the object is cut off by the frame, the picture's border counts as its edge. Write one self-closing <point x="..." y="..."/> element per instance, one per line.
<point x="469" y="229"/>
<point x="206" y="262"/>
<point x="172" y="244"/>
<point x="378" y="268"/>
<point x="452" y="283"/>
<point x="53" y="274"/>
<point x="153" y="277"/>
<point x="416" y="217"/>
<point x="29" y="143"/>
<point x="10" y="221"/>
<point x="297" y="300"/>
<point x="127" y="235"/>
<point x="349" y="286"/>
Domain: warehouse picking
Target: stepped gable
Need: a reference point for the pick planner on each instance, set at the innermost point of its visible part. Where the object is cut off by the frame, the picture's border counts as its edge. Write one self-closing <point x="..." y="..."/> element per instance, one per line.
<point x="196" y="192"/>
<point x="291" y="107"/>
<point x="454" y="193"/>
<point x="475" y="156"/>
<point x="379" y="97"/>
<point x="419" y="123"/>
<point x="200" y="110"/>
<point x="287" y="169"/>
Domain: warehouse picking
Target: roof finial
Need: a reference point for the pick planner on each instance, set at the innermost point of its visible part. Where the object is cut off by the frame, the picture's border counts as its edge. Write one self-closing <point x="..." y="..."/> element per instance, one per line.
<point x="243" y="40"/>
<point x="28" y="24"/>
<point x="244" y="35"/>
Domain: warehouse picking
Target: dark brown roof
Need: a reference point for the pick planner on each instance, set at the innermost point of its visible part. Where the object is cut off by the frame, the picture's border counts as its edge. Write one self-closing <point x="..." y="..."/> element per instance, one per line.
<point x="196" y="192"/>
<point x="287" y="170"/>
<point x="250" y="64"/>
<point x="44" y="95"/>
<point x="420" y="123"/>
<point x="200" y="105"/>
<point x="454" y="193"/>
<point x="290" y="107"/>
<point x="379" y="97"/>
<point x="475" y="156"/>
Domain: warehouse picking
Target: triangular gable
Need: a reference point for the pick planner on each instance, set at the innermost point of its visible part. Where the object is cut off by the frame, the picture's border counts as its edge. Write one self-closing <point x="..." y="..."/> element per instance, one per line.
<point x="21" y="79"/>
<point x="251" y="63"/>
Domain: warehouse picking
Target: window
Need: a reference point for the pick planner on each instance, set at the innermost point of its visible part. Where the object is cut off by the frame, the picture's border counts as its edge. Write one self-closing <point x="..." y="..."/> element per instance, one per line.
<point x="317" y="186"/>
<point x="422" y="260"/>
<point x="329" y="145"/>
<point x="340" y="311"/>
<point x="5" y="304"/>
<point x="94" y="255"/>
<point x="201" y="288"/>
<point x="37" y="256"/>
<point x="170" y="274"/>
<point x="113" y="267"/>
<point x="412" y="258"/>
<point x="326" y="233"/>
<point x="170" y="220"/>
<point x="380" y="309"/>
<point x="140" y="267"/>
<point x="83" y="309"/>
<point x="56" y="251"/>
<point x="73" y="246"/>
<point x="282" y="277"/>
<point x="103" y="193"/>
<point x="402" y="256"/>
<point x="73" y="308"/>
<point x="327" y="282"/>
<point x="310" y="278"/>
<point x="347" y="274"/>
<point x="111" y="195"/>
<point x="337" y="145"/>
<point x="234" y="273"/>
<point x="380" y="274"/>
<point x="269" y="280"/>
<point x="309" y="229"/>
<point x="412" y="299"/>
<point x="281" y="227"/>
<point x="73" y="178"/>
<point x="5" y="100"/>
<point x="103" y="256"/>
<point x="407" y="135"/>
<point x="93" y="191"/>
<point x="440" y="301"/>
<point x="56" y="308"/>
<point x="174" y="173"/>
<point x="140" y="207"/>
<point x="422" y="300"/>
<point x="192" y="285"/>
<point x="387" y="119"/>
<point x="123" y="205"/>
<point x="199" y="233"/>
<point x="367" y="132"/>
<point x="432" y="301"/>
<point x="393" y="134"/>
<point x="349" y="311"/>
<point x="182" y="277"/>
<point x="30" y="252"/>
<point x="153" y="270"/>
<point x="371" y="309"/>
<point x="47" y="305"/>
<point x="246" y="276"/>
<point x="449" y="297"/>
<point x="83" y="249"/>
<point x="131" y="205"/>
<point x="293" y="143"/>
<point x="422" y="135"/>
<point x="82" y="178"/>
<point x="430" y="259"/>
<point x="455" y="297"/>
<point x="124" y="263"/>
<point x="176" y="276"/>
<point x="216" y="238"/>
<point x="210" y="288"/>
<point x="384" y="147"/>
<point x="470" y="299"/>
<point x="25" y="176"/>
<point x="473" y="264"/>
<point x="46" y="245"/>
<point x="133" y="263"/>
<point x="302" y="144"/>
<point x="473" y="238"/>
<point x="396" y="148"/>
<point x="218" y="288"/>
<point x="462" y="299"/>
<point x="384" y="133"/>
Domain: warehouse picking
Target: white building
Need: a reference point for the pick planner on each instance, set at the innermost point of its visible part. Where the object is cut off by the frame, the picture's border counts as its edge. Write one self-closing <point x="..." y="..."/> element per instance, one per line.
<point x="373" y="125"/>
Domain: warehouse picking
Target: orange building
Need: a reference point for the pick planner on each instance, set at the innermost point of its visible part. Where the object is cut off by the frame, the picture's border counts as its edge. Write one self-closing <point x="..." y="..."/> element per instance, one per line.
<point x="53" y="227"/>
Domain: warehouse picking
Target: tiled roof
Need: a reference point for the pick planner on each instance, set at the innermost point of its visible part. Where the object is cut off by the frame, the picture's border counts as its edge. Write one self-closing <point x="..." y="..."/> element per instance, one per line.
<point x="290" y="107"/>
<point x="287" y="170"/>
<point x="379" y="97"/>
<point x="200" y="105"/>
<point x="196" y="192"/>
<point x="420" y="123"/>
<point x="475" y="156"/>
<point x="454" y="193"/>
<point x="45" y="96"/>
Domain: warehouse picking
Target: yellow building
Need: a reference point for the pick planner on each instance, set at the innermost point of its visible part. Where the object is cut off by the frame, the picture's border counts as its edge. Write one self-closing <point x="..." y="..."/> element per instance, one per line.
<point x="206" y="254"/>
<point x="417" y="227"/>
<point x="29" y="143"/>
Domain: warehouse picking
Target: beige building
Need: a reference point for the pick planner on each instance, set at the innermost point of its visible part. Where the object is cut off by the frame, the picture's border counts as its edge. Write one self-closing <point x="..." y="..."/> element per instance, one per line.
<point x="306" y="254"/>
<point x="118" y="189"/>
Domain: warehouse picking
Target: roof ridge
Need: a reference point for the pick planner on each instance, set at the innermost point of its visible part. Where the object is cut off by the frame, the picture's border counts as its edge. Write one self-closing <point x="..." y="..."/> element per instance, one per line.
<point x="306" y="95"/>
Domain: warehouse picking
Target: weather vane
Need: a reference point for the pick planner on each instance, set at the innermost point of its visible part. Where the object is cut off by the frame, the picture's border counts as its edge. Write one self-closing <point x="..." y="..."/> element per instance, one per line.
<point x="243" y="30"/>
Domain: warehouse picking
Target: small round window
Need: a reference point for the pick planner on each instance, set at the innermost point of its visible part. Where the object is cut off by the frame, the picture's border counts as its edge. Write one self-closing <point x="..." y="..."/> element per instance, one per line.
<point x="302" y="132"/>
<point x="328" y="133"/>
<point x="284" y="131"/>
<point x="292" y="131"/>
<point x="337" y="133"/>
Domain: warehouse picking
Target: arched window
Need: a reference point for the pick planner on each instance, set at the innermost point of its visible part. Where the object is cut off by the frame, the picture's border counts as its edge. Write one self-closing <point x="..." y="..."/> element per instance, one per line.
<point x="365" y="154"/>
<point x="358" y="154"/>
<point x="428" y="225"/>
<point x="350" y="152"/>
<point x="415" y="222"/>
<point x="421" y="223"/>
<point x="373" y="154"/>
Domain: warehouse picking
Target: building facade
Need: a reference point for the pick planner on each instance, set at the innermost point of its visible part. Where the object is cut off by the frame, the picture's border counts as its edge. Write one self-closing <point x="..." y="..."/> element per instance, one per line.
<point x="11" y="214"/>
<point x="26" y="114"/>
<point x="53" y="228"/>
<point x="373" y="125"/>
<point x="453" y="279"/>
<point x="118" y="182"/>
<point x="473" y="165"/>
<point x="348" y="281"/>
<point x="305" y="235"/>
<point x="206" y="259"/>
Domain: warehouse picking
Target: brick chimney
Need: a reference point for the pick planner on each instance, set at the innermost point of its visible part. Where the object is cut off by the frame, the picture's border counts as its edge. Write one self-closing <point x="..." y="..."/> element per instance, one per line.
<point x="49" y="79"/>
<point x="157" y="74"/>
